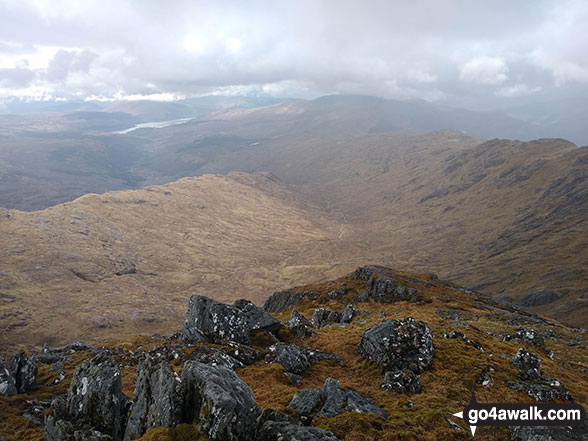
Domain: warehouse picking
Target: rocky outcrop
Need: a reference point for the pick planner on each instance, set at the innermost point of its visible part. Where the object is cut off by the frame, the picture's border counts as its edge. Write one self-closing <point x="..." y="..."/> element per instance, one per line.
<point x="530" y="336"/>
<point x="212" y="321"/>
<point x="533" y="381"/>
<point x="95" y="400"/>
<point x="24" y="372"/>
<point x="7" y="380"/>
<point x="366" y="272"/>
<point x="529" y="365"/>
<point x="281" y="300"/>
<point x="157" y="400"/>
<point x="322" y="317"/>
<point x="296" y="359"/>
<point x="402" y="382"/>
<point x="274" y="425"/>
<point x="299" y="324"/>
<point x="234" y="356"/>
<point x="18" y="376"/>
<point x="386" y="289"/>
<point x="330" y="400"/>
<point x="292" y="357"/>
<point x="542" y="389"/>
<point x="50" y="356"/>
<point x="399" y="344"/>
<point x="220" y="402"/>
<point x="59" y="427"/>
<point x="280" y="431"/>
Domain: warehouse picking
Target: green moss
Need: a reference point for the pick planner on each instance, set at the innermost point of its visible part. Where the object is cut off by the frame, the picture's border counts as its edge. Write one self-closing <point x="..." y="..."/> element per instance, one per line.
<point x="183" y="432"/>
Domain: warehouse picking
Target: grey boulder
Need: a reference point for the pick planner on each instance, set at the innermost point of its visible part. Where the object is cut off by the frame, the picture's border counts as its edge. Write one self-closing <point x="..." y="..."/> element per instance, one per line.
<point x="330" y="400"/>
<point x="529" y="365"/>
<point x="94" y="400"/>
<point x="215" y="322"/>
<point x="220" y="402"/>
<point x="18" y="376"/>
<point x="399" y="344"/>
<point x="157" y="399"/>
<point x="7" y="380"/>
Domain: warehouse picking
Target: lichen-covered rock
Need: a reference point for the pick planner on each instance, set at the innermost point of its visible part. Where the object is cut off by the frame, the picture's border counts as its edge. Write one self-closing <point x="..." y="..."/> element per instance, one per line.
<point x="386" y="289"/>
<point x="402" y="382"/>
<point x="276" y="416"/>
<point x="348" y="314"/>
<point x="542" y="389"/>
<point x="359" y="403"/>
<point x="24" y="372"/>
<point x="281" y="300"/>
<point x="157" y="400"/>
<point x="296" y="359"/>
<point x="366" y="272"/>
<point x="330" y="400"/>
<point x="333" y="397"/>
<point x="215" y="357"/>
<point x="291" y="357"/>
<point x="322" y="317"/>
<point x="59" y="369"/>
<point x="50" y="356"/>
<point x="529" y="365"/>
<point x="530" y="336"/>
<point x="305" y="402"/>
<point x="283" y="431"/>
<point x="220" y="402"/>
<point x="95" y="396"/>
<point x="7" y="380"/>
<point x="17" y="376"/>
<point x="335" y="293"/>
<point x="212" y="321"/>
<point x="300" y="324"/>
<point x="399" y="344"/>
<point x="57" y="427"/>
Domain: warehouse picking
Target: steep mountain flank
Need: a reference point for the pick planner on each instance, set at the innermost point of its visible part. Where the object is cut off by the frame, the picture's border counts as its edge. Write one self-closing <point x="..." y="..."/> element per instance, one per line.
<point x="505" y="217"/>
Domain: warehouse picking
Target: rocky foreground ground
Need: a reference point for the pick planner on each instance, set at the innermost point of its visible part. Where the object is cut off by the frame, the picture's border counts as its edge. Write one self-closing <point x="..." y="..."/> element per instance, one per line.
<point x="375" y="355"/>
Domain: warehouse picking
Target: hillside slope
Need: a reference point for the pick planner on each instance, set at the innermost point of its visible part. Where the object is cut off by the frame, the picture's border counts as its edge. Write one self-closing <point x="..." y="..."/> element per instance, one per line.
<point x="311" y="374"/>
<point x="125" y="262"/>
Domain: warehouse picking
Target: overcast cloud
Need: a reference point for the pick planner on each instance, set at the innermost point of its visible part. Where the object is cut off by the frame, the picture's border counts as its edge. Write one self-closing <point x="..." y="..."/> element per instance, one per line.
<point x="465" y="52"/>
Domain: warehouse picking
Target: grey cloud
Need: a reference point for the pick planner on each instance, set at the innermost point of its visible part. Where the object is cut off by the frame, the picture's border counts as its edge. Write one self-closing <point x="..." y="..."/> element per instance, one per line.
<point x="454" y="50"/>
<point x="65" y="62"/>
<point x="17" y="77"/>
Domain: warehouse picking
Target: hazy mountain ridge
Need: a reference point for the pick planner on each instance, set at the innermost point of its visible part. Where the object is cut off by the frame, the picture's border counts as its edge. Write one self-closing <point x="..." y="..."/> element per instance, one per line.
<point x="106" y="161"/>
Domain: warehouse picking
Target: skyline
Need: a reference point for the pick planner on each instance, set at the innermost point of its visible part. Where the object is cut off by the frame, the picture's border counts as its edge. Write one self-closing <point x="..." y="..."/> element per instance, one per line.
<point x="468" y="54"/>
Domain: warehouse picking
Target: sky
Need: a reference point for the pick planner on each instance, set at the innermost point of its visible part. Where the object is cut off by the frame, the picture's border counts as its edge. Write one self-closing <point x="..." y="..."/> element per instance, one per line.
<point x="464" y="52"/>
